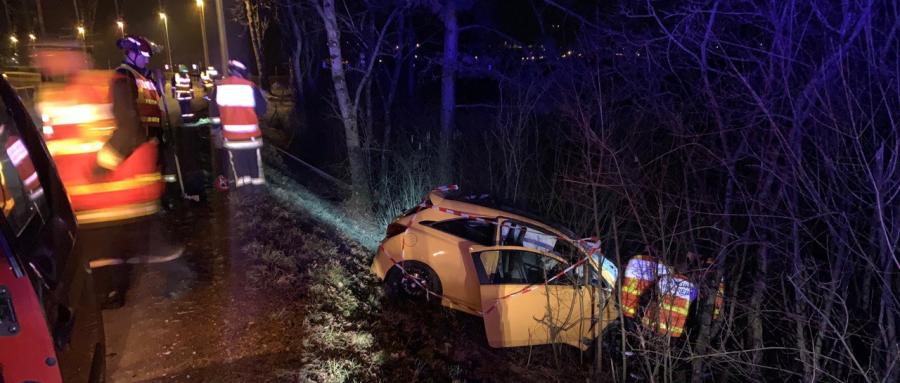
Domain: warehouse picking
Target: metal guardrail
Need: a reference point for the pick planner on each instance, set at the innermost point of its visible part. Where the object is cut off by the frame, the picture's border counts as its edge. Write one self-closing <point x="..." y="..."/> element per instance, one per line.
<point x="21" y="79"/>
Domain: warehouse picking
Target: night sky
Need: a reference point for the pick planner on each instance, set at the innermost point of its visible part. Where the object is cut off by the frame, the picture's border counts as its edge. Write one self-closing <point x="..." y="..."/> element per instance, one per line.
<point x="140" y="16"/>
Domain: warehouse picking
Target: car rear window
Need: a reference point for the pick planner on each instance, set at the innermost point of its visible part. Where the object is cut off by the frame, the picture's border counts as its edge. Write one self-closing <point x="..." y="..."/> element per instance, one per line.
<point x="475" y="230"/>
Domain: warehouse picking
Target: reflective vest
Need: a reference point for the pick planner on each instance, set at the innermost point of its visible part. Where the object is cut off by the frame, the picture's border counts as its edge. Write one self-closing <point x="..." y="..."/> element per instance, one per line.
<point x="78" y="121"/>
<point x="183" y="89"/>
<point x="640" y="274"/>
<point x="18" y="155"/>
<point x="720" y="300"/>
<point x="669" y="315"/>
<point x="236" y="99"/>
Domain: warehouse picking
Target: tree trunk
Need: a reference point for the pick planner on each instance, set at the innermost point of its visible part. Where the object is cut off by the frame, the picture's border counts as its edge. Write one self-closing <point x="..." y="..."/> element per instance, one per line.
<point x="253" y="25"/>
<point x="296" y="71"/>
<point x="360" y="178"/>
<point x="448" y="90"/>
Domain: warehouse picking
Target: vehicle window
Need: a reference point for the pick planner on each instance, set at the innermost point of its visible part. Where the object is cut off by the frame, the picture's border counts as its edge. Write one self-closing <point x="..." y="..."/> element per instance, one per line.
<point x="475" y="230"/>
<point x="21" y="194"/>
<point x="519" y="267"/>
<point x="517" y="234"/>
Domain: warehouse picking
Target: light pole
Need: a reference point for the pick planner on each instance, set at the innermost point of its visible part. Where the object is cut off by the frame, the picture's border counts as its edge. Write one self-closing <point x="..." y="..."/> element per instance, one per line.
<point x="81" y="35"/>
<point x="223" y="43"/>
<point x="203" y="33"/>
<point x="165" y="20"/>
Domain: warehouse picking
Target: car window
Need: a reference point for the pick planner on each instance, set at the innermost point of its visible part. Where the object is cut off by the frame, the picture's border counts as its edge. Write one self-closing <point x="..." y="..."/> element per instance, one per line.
<point x="475" y="230"/>
<point x="21" y="193"/>
<point x="519" y="267"/>
<point x="514" y="233"/>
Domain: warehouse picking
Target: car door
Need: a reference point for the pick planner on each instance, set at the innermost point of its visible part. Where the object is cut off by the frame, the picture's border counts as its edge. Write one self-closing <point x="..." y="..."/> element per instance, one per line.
<point x="530" y="297"/>
<point x="38" y="228"/>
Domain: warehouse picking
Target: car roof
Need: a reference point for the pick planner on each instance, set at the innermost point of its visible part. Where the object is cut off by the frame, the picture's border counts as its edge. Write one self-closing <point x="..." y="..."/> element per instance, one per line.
<point x="486" y="206"/>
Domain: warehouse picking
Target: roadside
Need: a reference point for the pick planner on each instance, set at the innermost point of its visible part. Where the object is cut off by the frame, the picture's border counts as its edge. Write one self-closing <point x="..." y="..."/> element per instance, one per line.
<point x="279" y="290"/>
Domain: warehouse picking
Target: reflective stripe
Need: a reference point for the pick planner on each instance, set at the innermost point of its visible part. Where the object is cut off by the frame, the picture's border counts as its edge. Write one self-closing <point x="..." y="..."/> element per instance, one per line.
<point x="31" y="179"/>
<point x="36" y="194"/>
<point x="674" y="309"/>
<point x="117" y="213"/>
<point x="235" y="95"/>
<point x="215" y="120"/>
<point x="250" y="128"/>
<point x="17" y="152"/>
<point x="73" y="146"/>
<point x="243" y="144"/>
<point x="108" y="158"/>
<point x="247" y="180"/>
<point x="149" y="119"/>
<point x="631" y="290"/>
<point x="170" y="178"/>
<point x="137" y="181"/>
<point x="76" y="114"/>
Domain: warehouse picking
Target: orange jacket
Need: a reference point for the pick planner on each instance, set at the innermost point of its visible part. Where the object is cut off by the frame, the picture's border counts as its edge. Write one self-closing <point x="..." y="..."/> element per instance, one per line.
<point x="81" y="133"/>
<point x="237" y="104"/>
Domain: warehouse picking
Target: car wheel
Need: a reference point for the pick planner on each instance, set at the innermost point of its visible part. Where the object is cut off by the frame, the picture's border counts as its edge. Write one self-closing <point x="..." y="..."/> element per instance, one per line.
<point x="413" y="281"/>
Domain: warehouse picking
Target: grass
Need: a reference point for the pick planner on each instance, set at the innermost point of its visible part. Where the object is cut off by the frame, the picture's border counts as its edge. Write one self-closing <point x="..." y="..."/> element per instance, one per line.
<point x="307" y="251"/>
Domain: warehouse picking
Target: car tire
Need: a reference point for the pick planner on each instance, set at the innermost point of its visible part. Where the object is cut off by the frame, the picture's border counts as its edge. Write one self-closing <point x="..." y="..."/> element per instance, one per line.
<point x="413" y="281"/>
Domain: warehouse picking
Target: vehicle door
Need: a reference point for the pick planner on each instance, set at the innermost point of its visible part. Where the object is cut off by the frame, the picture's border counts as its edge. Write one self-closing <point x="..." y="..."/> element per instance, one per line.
<point x="530" y="297"/>
<point x="38" y="228"/>
<point x="447" y="247"/>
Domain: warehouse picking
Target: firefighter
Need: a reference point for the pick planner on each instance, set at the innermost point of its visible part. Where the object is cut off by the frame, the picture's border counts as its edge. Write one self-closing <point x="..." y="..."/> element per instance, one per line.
<point x="123" y="226"/>
<point x="238" y="103"/>
<point x="182" y="90"/>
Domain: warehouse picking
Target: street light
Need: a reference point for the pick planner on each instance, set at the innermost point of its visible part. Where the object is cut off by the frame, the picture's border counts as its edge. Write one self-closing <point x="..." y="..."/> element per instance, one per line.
<point x="32" y="37"/>
<point x="81" y="31"/>
<point x="203" y="32"/>
<point x="121" y="25"/>
<point x="13" y="39"/>
<point x="162" y="16"/>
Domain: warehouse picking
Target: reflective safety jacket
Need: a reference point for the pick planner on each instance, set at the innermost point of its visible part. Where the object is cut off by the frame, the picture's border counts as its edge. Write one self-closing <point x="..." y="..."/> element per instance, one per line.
<point x="640" y="273"/>
<point x="237" y="101"/>
<point x="85" y="129"/>
<point x="183" y="90"/>
<point x="669" y="315"/>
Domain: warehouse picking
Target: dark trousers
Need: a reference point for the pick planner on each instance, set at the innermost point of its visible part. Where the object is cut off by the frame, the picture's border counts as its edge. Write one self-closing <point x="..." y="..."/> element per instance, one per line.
<point x="245" y="167"/>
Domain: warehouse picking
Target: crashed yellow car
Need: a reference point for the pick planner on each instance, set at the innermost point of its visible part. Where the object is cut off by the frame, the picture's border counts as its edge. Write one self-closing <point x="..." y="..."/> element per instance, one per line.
<point x="532" y="283"/>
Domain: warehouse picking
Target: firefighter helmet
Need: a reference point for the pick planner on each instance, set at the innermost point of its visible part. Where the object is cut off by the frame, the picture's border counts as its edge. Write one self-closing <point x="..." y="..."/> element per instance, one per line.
<point x="236" y="67"/>
<point x="138" y="43"/>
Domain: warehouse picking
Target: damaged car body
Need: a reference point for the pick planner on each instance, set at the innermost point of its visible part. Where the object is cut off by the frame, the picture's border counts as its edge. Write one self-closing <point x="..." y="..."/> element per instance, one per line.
<point x="532" y="283"/>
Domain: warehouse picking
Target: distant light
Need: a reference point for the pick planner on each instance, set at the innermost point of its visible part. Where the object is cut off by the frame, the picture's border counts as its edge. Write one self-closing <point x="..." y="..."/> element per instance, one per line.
<point x="418" y="45"/>
<point x="13" y="39"/>
<point x="194" y="66"/>
<point x="32" y="37"/>
<point x="166" y="66"/>
<point x="120" y="24"/>
<point x="81" y="30"/>
<point x="199" y="3"/>
<point x="162" y="16"/>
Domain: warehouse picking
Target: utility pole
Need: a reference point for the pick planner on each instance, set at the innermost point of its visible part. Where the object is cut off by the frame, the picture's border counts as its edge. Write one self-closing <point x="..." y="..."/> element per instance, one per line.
<point x="223" y="42"/>
<point x="40" y="17"/>
<point x="203" y="33"/>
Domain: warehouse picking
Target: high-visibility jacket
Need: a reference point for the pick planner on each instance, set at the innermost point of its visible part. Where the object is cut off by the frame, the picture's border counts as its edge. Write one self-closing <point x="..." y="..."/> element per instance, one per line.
<point x="183" y="89"/>
<point x="79" y="127"/>
<point x="669" y="315"/>
<point x="18" y="155"/>
<point x="236" y="101"/>
<point x="720" y="300"/>
<point x="640" y="273"/>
